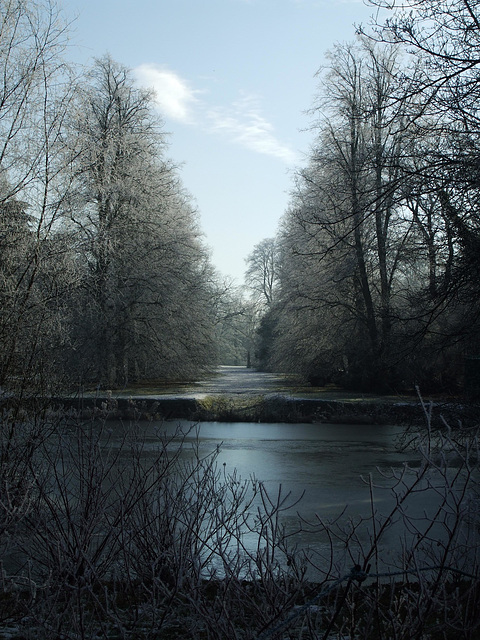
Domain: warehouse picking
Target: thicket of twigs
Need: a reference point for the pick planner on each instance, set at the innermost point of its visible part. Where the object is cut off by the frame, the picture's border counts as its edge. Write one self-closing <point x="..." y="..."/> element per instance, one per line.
<point x="108" y="540"/>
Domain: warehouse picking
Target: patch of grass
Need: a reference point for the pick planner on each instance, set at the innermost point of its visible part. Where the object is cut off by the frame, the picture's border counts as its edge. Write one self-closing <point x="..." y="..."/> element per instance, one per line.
<point x="228" y="408"/>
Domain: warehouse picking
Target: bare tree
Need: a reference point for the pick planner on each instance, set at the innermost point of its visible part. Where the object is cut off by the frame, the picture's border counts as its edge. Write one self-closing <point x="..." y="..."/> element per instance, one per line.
<point x="34" y="98"/>
<point x="350" y="232"/>
<point x="444" y="35"/>
<point x="33" y="37"/>
<point x="261" y="275"/>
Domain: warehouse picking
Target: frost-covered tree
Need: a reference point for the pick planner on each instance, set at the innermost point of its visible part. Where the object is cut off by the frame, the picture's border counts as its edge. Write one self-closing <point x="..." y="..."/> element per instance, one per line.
<point x="146" y="273"/>
<point x="262" y="275"/>
<point x="34" y="99"/>
<point x="346" y="236"/>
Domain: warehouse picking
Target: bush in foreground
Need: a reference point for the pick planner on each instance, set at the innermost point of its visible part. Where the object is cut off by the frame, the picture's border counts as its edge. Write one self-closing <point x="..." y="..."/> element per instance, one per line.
<point x="108" y="536"/>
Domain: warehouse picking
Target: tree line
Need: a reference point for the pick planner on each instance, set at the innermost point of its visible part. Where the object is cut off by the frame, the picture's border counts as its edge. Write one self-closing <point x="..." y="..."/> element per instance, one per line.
<point x="105" y="278"/>
<point x="371" y="281"/>
<point x="376" y="279"/>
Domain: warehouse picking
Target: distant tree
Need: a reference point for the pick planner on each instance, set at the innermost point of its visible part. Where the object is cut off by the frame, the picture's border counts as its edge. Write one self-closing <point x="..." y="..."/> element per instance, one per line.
<point x="236" y="319"/>
<point x="261" y="275"/>
<point x="306" y="330"/>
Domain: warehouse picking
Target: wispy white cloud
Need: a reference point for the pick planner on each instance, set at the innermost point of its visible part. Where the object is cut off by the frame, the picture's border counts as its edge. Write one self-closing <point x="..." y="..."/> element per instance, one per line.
<point x="244" y="124"/>
<point x="241" y="122"/>
<point x="174" y="96"/>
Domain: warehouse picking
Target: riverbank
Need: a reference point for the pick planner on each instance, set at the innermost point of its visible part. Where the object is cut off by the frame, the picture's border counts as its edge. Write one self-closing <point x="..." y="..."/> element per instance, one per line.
<point x="267" y="408"/>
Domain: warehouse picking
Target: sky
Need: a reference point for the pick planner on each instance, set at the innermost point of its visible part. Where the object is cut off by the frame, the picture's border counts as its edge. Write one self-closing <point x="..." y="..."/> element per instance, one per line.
<point x="234" y="80"/>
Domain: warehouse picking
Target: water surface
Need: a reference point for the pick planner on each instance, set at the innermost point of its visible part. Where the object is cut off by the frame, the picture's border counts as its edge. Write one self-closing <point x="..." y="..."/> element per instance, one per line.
<point x="327" y="465"/>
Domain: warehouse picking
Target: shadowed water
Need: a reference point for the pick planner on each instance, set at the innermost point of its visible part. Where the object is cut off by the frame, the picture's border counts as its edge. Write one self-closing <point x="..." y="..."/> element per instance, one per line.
<point x="327" y="465"/>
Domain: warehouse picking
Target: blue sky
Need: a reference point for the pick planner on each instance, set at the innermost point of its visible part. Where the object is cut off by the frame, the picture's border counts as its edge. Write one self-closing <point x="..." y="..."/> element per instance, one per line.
<point x="233" y="79"/>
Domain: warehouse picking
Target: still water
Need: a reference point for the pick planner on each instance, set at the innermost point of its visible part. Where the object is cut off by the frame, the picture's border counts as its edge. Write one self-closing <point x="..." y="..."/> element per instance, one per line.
<point x="325" y="461"/>
<point x="328" y="464"/>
